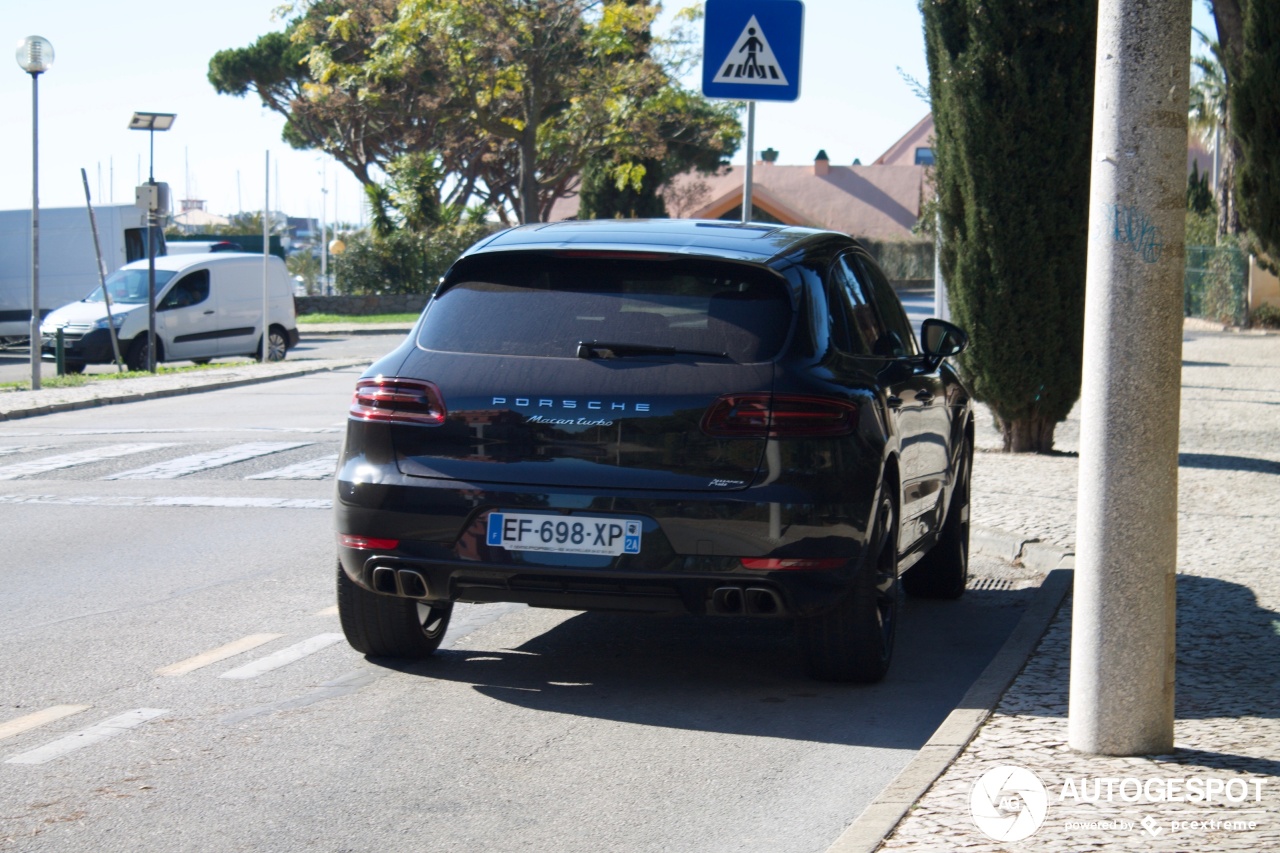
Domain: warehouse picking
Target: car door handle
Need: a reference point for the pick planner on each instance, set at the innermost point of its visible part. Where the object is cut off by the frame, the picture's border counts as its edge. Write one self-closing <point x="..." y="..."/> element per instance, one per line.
<point x="208" y="312"/>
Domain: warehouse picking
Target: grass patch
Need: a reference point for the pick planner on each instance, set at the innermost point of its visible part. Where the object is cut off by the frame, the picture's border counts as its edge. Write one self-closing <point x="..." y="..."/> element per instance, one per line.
<point x="79" y="380"/>
<point x="357" y="318"/>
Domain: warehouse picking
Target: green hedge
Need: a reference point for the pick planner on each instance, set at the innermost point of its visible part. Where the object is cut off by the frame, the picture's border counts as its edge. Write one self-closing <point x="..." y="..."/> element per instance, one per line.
<point x="403" y="262"/>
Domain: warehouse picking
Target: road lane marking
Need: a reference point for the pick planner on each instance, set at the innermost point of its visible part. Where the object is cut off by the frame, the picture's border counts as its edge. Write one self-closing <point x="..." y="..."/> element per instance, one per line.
<point x="105" y="730"/>
<point x="203" y="659"/>
<point x="344" y="685"/>
<point x="284" y="657"/>
<point x="71" y="460"/>
<point x="328" y="611"/>
<point x="315" y="469"/>
<point x="181" y="467"/>
<point x="124" y="501"/>
<point x="39" y="718"/>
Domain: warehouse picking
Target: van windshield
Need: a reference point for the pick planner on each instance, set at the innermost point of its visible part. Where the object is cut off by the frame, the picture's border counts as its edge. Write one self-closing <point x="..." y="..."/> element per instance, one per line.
<point x="129" y="286"/>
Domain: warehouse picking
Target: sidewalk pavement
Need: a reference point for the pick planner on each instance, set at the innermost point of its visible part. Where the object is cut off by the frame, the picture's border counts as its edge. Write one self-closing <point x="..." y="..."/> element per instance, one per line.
<point x="1228" y="678"/>
<point x="1227" y="730"/>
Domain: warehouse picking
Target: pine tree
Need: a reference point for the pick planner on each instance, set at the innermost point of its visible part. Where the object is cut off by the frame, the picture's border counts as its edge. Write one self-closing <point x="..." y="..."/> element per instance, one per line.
<point x="1011" y="83"/>
<point x="1255" y="114"/>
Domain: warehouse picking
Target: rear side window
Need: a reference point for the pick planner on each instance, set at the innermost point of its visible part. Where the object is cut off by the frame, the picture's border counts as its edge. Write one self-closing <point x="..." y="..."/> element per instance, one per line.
<point x="545" y="305"/>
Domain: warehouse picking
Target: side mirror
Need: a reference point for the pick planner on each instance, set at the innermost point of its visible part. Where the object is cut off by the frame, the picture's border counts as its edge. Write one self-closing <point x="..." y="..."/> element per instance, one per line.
<point x="942" y="339"/>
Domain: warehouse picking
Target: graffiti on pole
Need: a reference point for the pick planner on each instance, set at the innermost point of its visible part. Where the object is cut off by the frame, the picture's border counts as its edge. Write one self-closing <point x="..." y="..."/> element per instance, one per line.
<point x="1130" y="224"/>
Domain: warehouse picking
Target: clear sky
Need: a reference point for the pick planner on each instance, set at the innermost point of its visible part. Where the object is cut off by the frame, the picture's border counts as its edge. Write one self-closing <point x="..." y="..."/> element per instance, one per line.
<point x="112" y="58"/>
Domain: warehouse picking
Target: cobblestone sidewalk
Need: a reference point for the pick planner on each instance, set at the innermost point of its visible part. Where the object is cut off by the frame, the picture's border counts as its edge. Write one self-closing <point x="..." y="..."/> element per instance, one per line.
<point x="1227" y="734"/>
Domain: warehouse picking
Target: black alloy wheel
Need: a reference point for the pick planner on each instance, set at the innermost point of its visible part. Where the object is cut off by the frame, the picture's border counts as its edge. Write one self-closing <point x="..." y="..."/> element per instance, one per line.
<point x="388" y="626"/>
<point x="853" y="641"/>
<point x="944" y="571"/>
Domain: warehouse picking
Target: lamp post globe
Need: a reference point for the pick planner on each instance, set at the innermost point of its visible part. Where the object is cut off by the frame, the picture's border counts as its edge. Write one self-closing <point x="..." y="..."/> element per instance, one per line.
<point x="35" y="55"/>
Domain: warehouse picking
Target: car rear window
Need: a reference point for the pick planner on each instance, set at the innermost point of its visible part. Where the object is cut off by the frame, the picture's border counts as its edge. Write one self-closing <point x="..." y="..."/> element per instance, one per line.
<point x="545" y="305"/>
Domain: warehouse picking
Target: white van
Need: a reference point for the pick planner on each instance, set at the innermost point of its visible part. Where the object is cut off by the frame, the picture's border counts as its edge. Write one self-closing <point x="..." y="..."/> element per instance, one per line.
<point x="207" y="306"/>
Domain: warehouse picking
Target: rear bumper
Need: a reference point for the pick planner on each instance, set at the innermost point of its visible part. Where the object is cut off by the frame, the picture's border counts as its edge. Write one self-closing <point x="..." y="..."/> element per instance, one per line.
<point x="689" y="560"/>
<point x="762" y="594"/>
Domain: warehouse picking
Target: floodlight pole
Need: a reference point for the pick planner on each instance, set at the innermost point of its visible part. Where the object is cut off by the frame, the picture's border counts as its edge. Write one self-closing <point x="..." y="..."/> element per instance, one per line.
<point x="152" y="202"/>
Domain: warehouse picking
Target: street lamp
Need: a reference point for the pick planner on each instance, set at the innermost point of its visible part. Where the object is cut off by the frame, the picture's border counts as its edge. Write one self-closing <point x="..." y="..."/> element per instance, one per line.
<point x="151" y="122"/>
<point x="35" y="56"/>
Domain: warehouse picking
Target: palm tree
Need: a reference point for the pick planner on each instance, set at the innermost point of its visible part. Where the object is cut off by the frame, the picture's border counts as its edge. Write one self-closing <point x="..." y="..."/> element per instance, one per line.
<point x="1208" y="113"/>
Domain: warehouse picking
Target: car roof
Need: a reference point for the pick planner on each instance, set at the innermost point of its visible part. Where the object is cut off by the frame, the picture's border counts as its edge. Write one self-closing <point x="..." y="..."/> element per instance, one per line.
<point x="754" y="242"/>
<point x="182" y="261"/>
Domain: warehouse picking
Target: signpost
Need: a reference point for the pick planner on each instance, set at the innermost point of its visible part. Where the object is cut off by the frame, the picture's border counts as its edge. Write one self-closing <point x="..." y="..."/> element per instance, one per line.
<point x="751" y="51"/>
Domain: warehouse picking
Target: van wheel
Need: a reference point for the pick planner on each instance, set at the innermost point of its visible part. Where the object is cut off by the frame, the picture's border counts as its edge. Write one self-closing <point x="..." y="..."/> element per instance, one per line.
<point x="277" y="345"/>
<point x="137" y="356"/>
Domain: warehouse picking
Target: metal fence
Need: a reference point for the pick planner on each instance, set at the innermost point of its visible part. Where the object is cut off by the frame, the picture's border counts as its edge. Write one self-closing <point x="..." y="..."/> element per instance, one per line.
<point x="1217" y="284"/>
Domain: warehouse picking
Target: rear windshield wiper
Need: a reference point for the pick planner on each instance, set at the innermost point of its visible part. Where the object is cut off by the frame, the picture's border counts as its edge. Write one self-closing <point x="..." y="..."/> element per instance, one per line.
<point x="606" y="349"/>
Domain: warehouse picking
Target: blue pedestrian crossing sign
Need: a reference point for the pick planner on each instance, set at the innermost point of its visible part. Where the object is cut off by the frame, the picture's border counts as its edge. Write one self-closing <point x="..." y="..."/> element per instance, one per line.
<point x="751" y="49"/>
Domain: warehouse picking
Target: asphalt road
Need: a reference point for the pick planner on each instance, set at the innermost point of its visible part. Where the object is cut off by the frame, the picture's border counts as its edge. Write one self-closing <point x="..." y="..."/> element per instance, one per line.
<point x="173" y="676"/>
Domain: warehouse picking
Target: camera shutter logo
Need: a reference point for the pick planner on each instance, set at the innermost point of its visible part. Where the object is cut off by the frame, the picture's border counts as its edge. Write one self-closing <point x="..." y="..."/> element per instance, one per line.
<point x="1008" y="803"/>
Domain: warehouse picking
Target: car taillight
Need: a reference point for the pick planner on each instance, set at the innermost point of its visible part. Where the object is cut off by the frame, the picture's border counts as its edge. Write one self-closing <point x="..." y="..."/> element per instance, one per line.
<point x="367" y="543"/>
<point x="773" y="564"/>
<point x="401" y="401"/>
<point x="779" y="416"/>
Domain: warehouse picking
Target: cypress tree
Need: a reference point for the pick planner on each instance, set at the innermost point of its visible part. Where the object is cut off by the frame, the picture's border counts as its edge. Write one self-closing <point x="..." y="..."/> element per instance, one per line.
<point x="1255" y="116"/>
<point x="1011" y="83"/>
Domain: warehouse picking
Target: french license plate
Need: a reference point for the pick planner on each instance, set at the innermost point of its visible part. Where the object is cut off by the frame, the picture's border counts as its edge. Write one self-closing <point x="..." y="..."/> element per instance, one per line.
<point x="564" y="534"/>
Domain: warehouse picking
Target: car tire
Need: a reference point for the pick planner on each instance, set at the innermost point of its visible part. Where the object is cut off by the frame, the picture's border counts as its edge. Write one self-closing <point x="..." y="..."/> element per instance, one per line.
<point x="853" y="641"/>
<point x="387" y="626"/>
<point x="73" y="367"/>
<point x="943" y="572"/>
<point x="136" y="358"/>
<point x="277" y="345"/>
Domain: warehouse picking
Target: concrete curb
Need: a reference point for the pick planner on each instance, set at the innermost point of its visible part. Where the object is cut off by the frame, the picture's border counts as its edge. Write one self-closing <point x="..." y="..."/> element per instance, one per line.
<point x="878" y="820"/>
<point x="90" y="399"/>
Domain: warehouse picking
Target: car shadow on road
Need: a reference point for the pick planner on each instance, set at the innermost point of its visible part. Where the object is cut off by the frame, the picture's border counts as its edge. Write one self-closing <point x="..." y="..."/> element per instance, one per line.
<point x="737" y="676"/>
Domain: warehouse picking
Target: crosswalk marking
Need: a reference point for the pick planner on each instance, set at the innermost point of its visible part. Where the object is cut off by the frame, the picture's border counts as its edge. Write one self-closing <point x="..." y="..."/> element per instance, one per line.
<point x="39" y="718"/>
<point x="73" y="459"/>
<point x="194" y="501"/>
<point x="331" y="610"/>
<point x="11" y="450"/>
<point x="105" y="730"/>
<point x="203" y="659"/>
<point x="284" y="657"/>
<point x="175" y="468"/>
<point x="315" y="469"/>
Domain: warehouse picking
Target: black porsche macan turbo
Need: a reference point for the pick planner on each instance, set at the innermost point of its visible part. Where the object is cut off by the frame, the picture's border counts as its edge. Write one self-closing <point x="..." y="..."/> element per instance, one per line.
<point x="659" y="416"/>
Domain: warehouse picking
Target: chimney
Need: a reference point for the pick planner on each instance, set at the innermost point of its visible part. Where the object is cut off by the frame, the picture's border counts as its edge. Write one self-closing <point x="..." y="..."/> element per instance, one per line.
<point x="822" y="164"/>
<point x="769" y="155"/>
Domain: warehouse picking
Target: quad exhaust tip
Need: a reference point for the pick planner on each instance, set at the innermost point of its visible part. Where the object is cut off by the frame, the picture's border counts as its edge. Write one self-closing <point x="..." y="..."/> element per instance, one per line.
<point x="403" y="582"/>
<point x="746" y="601"/>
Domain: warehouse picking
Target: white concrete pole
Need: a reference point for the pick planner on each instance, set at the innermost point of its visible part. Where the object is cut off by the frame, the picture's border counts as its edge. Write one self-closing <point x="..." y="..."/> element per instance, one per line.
<point x="1122" y="639"/>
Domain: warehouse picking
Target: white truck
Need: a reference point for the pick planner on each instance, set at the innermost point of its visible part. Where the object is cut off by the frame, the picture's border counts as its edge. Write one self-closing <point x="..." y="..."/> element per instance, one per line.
<point x="68" y="263"/>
